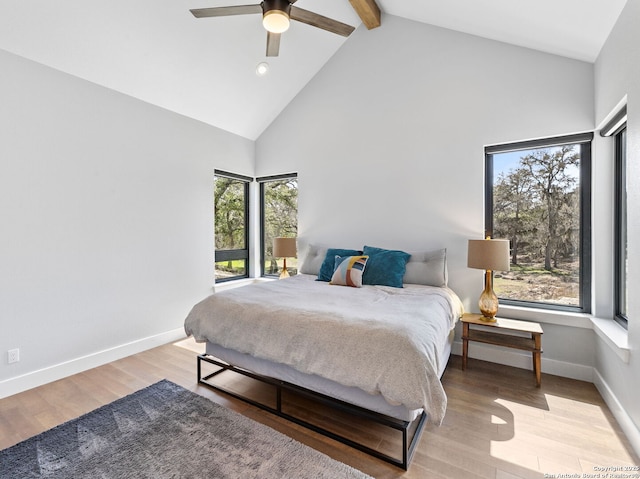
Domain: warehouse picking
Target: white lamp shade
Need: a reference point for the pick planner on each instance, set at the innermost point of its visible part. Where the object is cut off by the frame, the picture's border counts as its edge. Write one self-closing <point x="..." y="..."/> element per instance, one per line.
<point x="284" y="248"/>
<point x="489" y="254"/>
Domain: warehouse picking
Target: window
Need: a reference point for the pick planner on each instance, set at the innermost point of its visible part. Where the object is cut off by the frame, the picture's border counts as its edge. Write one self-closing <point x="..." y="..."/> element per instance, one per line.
<point x="538" y="196"/>
<point x="617" y="128"/>
<point x="231" y="224"/>
<point x="279" y="207"/>
<point x="621" y="227"/>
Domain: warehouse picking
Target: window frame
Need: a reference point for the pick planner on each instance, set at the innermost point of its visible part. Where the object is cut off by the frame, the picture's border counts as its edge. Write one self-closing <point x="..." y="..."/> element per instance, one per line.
<point x="585" y="141"/>
<point x="235" y="254"/>
<point x="261" y="182"/>
<point x="621" y="225"/>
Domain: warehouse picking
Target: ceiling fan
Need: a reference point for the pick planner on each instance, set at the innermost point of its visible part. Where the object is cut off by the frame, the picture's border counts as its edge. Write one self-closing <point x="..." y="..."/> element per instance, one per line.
<point x="275" y="19"/>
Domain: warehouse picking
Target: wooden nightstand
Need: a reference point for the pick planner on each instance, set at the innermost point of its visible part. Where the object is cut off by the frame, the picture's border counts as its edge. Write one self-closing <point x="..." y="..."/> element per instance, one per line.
<point x="498" y="337"/>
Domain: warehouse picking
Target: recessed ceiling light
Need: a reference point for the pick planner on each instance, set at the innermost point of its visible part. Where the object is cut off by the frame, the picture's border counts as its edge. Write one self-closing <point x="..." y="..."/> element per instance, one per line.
<point x="262" y="69"/>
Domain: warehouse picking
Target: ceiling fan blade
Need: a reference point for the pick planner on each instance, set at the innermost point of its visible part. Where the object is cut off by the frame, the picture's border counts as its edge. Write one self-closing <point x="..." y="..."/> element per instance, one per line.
<point x="226" y="11"/>
<point x="320" y="21"/>
<point x="273" y="44"/>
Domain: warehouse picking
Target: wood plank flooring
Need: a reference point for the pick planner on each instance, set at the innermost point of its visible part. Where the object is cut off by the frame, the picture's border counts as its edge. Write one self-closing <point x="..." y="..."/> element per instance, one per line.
<point x="498" y="424"/>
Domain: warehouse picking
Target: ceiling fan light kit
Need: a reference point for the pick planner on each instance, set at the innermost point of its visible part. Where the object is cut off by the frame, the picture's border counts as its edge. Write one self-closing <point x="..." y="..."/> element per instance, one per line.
<point x="276" y="15"/>
<point x="275" y="21"/>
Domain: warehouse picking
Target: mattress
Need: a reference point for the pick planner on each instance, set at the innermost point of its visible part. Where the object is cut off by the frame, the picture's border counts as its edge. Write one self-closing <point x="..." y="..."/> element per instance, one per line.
<point x="350" y="394"/>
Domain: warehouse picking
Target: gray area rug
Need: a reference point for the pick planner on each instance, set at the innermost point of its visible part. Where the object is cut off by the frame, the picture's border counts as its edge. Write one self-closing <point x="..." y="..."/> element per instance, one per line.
<point x="165" y="431"/>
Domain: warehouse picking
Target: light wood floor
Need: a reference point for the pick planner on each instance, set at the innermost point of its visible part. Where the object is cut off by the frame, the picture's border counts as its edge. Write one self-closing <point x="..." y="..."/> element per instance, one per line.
<point x="498" y="424"/>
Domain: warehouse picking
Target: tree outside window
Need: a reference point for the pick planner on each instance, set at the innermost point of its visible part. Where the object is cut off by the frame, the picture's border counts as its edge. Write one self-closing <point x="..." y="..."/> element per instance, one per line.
<point x="537" y="200"/>
<point x="231" y="214"/>
<point x="279" y="196"/>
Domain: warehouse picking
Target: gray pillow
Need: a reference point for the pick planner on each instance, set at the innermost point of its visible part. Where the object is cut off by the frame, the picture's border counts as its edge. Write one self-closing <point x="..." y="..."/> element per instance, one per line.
<point x="313" y="259"/>
<point x="427" y="267"/>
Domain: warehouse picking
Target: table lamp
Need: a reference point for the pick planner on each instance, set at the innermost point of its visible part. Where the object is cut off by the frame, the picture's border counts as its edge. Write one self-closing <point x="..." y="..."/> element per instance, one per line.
<point x="284" y="248"/>
<point x="490" y="255"/>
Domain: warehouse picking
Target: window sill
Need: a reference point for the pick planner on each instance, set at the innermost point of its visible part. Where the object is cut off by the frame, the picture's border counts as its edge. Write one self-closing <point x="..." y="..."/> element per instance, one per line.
<point x="237" y="283"/>
<point x="613" y="335"/>
<point x="562" y="318"/>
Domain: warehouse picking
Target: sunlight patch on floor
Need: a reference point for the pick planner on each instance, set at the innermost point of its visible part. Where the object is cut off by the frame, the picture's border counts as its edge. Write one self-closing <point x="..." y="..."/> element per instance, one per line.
<point x="519" y="408"/>
<point x="190" y="344"/>
<point x="515" y="452"/>
<point x="533" y="436"/>
<point x="497" y="420"/>
<point x="577" y="409"/>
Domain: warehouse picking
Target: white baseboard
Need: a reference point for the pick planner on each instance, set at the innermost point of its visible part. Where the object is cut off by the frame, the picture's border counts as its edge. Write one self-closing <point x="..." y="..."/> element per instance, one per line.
<point x="626" y="423"/>
<point x="12" y="386"/>
<point x="523" y="360"/>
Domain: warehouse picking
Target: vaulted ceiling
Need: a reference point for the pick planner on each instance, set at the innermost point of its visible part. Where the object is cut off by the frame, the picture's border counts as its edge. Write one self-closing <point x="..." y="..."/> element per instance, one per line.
<point x="155" y="50"/>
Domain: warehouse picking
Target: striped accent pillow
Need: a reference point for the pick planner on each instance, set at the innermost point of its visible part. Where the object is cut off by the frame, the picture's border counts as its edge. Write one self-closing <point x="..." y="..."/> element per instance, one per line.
<point x="348" y="270"/>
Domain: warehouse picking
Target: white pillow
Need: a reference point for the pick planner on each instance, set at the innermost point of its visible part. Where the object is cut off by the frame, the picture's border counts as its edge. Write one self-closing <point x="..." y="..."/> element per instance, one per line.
<point x="313" y="259"/>
<point x="427" y="267"/>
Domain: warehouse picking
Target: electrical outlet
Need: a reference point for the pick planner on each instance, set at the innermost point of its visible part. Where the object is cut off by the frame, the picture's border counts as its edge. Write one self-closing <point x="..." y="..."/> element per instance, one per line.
<point x="13" y="355"/>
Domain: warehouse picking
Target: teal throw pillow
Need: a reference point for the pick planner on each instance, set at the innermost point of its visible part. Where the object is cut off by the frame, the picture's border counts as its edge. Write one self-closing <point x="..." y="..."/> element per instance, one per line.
<point x="385" y="267"/>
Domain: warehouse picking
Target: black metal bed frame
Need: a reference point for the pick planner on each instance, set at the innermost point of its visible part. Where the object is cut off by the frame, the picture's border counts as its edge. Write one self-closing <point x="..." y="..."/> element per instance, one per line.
<point x="408" y="445"/>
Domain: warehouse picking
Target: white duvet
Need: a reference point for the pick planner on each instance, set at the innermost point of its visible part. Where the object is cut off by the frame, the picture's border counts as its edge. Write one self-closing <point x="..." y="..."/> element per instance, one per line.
<point x="380" y="339"/>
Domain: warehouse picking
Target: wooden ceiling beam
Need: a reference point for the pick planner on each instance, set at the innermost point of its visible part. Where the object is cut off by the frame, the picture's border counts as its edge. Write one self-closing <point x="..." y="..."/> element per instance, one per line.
<point x="368" y="11"/>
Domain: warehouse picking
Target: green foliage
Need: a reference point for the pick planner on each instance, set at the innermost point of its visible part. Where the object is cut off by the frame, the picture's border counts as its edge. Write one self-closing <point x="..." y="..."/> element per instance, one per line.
<point x="229" y="211"/>
<point x="280" y="217"/>
<point x="537" y="207"/>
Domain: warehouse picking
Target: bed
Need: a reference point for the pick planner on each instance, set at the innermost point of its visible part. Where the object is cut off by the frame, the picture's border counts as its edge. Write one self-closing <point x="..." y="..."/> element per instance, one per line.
<point x="378" y="347"/>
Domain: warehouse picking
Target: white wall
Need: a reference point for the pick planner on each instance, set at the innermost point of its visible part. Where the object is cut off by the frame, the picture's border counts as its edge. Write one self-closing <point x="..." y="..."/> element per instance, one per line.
<point x="105" y="201"/>
<point x="617" y="76"/>
<point x="106" y="220"/>
<point x="388" y="142"/>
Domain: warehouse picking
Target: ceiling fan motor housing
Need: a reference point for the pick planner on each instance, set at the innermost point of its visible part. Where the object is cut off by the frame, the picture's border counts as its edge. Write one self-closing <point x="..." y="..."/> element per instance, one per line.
<point x="273" y="6"/>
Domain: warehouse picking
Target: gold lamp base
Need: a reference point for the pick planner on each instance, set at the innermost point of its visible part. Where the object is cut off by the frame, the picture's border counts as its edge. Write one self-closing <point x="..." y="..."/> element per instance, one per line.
<point x="284" y="273"/>
<point x="488" y="302"/>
